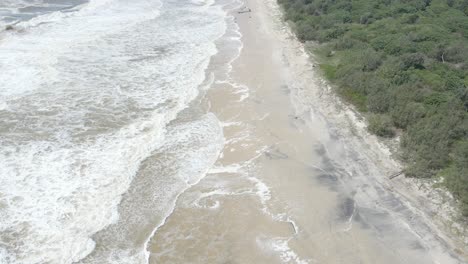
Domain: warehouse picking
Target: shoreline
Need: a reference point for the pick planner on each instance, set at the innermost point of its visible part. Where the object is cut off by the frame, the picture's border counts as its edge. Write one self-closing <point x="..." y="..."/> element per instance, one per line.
<point x="291" y="184"/>
<point x="418" y="193"/>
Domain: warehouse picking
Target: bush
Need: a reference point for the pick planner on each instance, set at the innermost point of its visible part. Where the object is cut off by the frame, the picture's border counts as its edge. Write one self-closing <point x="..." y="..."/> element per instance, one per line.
<point x="370" y="59"/>
<point x="456" y="175"/>
<point x="329" y="71"/>
<point x="381" y="125"/>
<point x="419" y="169"/>
<point x="356" y="98"/>
<point x="413" y="60"/>
<point x="406" y="113"/>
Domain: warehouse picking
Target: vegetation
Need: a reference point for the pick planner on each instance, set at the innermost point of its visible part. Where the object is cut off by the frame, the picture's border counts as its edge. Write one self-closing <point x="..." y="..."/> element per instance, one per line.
<point x="405" y="62"/>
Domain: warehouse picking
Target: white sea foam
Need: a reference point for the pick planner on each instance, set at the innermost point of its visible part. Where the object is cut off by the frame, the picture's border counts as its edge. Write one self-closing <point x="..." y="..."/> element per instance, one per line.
<point x="188" y="151"/>
<point x="277" y="244"/>
<point x="242" y="90"/>
<point x="286" y="254"/>
<point x="35" y="55"/>
<point x="86" y="97"/>
<point x="262" y="191"/>
<point x="195" y="153"/>
<point x="231" y="123"/>
<point x="232" y="168"/>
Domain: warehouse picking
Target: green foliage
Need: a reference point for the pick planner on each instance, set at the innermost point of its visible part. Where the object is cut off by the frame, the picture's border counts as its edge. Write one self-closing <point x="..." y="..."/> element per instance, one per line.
<point x="381" y="125"/>
<point x="456" y="174"/>
<point x="355" y="98"/>
<point x="406" y="113"/>
<point x="329" y="71"/>
<point x="405" y="62"/>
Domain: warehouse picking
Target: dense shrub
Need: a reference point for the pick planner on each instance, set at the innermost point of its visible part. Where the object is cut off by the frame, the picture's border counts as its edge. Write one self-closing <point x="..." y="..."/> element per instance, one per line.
<point x="454" y="174"/>
<point x="405" y="62"/>
<point x="381" y="125"/>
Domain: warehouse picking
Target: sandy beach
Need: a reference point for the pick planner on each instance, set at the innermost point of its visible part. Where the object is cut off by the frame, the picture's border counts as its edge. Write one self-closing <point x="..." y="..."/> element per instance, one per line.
<point x="299" y="180"/>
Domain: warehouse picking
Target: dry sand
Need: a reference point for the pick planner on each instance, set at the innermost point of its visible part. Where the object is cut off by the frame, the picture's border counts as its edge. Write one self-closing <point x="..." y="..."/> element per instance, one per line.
<point x="299" y="180"/>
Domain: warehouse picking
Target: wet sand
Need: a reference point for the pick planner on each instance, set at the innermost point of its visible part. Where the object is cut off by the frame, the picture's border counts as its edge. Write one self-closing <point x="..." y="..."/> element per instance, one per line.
<point x="298" y="181"/>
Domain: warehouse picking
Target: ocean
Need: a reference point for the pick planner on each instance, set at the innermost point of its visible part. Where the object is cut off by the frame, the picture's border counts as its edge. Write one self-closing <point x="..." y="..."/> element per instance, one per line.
<point x="99" y="127"/>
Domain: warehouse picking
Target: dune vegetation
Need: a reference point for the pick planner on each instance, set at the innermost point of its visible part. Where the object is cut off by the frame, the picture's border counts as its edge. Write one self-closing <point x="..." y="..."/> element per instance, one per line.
<point x="405" y="64"/>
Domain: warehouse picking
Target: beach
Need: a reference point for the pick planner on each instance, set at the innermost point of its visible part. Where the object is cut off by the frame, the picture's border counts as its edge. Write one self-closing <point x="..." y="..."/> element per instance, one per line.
<point x="298" y="180"/>
<point x="245" y="156"/>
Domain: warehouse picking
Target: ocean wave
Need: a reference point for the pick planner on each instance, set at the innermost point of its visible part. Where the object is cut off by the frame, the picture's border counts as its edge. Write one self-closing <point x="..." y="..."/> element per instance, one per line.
<point x="85" y="97"/>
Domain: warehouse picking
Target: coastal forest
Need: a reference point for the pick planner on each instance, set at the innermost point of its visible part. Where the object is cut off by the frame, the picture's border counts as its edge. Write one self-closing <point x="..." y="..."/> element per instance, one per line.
<point x="405" y="64"/>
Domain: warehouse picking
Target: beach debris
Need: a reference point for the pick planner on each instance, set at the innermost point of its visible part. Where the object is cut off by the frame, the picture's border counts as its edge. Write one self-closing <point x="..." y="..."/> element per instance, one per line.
<point x="394" y="175"/>
<point x="245" y="10"/>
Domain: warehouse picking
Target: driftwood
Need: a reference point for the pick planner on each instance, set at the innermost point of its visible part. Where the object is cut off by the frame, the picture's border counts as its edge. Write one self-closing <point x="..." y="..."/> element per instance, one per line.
<point x="394" y="175"/>
<point x="244" y="11"/>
